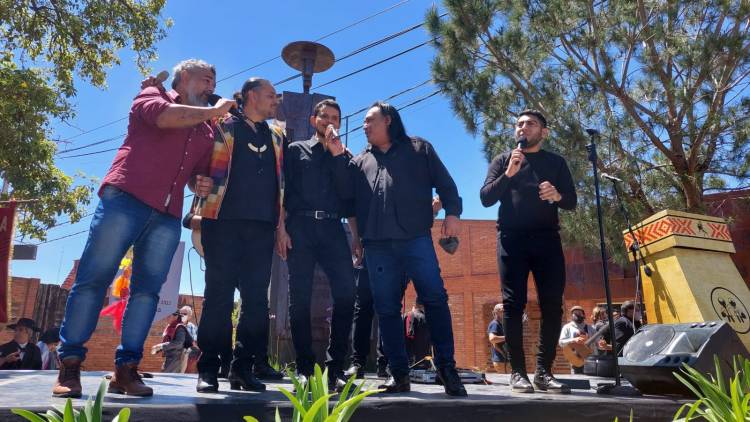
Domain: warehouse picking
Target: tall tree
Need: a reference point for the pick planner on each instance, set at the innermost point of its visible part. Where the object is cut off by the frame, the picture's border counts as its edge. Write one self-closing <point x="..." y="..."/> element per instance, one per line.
<point x="665" y="82"/>
<point x="44" y="45"/>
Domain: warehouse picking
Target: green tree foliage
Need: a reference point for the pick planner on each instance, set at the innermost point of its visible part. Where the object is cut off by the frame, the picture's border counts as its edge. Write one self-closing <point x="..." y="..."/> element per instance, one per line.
<point x="45" y="45"/>
<point x="664" y="81"/>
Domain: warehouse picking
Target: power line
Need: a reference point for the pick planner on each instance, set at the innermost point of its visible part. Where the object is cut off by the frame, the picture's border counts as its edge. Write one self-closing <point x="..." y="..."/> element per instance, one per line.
<point x="365" y="47"/>
<point x="103" y="141"/>
<point x="389" y="98"/>
<point x="96" y="128"/>
<point x="400" y="53"/>
<point x="89" y="153"/>
<point x="61" y="237"/>
<point x="387" y="9"/>
<point x="319" y="39"/>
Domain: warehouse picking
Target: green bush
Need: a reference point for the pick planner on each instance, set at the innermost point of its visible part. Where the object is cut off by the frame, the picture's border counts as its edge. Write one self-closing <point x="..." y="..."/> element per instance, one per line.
<point x="91" y="412"/>
<point x="718" y="401"/>
<point x="311" y="401"/>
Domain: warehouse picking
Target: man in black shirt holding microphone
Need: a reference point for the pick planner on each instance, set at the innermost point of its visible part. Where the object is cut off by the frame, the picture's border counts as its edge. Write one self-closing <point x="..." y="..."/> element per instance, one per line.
<point x="530" y="184"/>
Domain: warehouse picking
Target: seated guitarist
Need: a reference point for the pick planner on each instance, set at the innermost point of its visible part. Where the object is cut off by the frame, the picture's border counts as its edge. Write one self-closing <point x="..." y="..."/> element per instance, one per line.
<point x="576" y="331"/>
<point x="496" y="337"/>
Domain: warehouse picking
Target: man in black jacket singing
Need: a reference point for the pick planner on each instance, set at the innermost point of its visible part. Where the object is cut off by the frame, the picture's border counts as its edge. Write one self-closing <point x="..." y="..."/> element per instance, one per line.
<point x="391" y="183"/>
<point x="530" y="184"/>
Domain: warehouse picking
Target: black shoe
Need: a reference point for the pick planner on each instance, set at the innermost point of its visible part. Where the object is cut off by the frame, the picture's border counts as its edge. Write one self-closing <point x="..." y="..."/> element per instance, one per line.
<point x="543" y="380"/>
<point x="264" y="371"/>
<point x="519" y="383"/>
<point x="336" y="381"/>
<point x="449" y="379"/>
<point x="241" y="378"/>
<point x="357" y="369"/>
<point x="396" y="385"/>
<point x="207" y="383"/>
<point x="383" y="371"/>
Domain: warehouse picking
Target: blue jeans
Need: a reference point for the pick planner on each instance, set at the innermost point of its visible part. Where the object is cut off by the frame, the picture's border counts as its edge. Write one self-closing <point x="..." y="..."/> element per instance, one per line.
<point x="120" y="221"/>
<point x="387" y="262"/>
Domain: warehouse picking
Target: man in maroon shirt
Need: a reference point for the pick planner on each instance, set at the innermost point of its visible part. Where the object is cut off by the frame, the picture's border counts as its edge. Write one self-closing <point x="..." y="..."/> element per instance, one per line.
<point x="168" y="145"/>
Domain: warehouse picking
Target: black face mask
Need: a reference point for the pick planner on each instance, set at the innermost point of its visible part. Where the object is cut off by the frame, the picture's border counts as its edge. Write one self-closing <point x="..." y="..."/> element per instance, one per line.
<point x="578" y="319"/>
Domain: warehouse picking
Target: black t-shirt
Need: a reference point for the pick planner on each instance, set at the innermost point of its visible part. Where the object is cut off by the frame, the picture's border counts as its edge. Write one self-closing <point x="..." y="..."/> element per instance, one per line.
<point x="521" y="209"/>
<point x="252" y="192"/>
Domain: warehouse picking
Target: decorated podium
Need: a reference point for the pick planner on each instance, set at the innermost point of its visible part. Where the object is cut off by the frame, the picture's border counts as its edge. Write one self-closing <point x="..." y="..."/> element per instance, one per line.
<point x="693" y="277"/>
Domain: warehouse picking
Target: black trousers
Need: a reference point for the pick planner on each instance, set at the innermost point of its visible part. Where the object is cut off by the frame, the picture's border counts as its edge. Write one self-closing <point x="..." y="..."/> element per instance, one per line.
<point x="323" y="242"/>
<point x="363" y="314"/>
<point x="238" y="255"/>
<point x="541" y="253"/>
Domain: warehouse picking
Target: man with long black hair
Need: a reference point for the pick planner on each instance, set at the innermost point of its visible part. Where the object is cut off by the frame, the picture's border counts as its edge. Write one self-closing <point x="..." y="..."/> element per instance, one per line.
<point x="530" y="184"/>
<point x="391" y="184"/>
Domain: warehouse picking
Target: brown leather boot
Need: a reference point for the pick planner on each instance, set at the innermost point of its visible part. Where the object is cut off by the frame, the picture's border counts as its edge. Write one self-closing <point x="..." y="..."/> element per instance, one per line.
<point x="127" y="380"/>
<point x="68" y="379"/>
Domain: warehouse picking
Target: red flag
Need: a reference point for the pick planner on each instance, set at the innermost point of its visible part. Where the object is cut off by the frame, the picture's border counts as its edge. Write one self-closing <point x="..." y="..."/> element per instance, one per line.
<point x="7" y="218"/>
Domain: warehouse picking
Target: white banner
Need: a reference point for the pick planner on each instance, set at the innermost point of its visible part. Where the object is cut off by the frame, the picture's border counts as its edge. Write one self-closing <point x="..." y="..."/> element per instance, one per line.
<point x="170" y="290"/>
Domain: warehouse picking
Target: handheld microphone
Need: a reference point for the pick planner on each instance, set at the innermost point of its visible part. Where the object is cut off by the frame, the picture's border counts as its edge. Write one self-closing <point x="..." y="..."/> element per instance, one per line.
<point x="162" y="76"/>
<point x="522" y="142"/>
<point x="611" y="178"/>
<point x="214" y="98"/>
<point x="334" y="131"/>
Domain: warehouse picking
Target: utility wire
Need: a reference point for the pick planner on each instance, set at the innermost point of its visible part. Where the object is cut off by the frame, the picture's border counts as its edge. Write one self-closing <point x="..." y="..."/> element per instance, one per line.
<point x="389" y="98"/>
<point x="61" y="237"/>
<point x="103" y="141"/>
<point x="330" y="34"/>
<point x="365" y="47"/>
<point x="90" y="153"/>
<point x="400" y="53"/>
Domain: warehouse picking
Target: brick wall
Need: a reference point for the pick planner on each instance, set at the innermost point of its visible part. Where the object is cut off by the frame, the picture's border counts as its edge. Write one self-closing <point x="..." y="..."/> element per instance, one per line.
<point x="105" y="339"/>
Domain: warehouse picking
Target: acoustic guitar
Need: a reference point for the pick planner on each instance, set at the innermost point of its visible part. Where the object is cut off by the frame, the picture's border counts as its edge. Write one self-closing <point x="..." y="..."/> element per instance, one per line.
<point x="576" y="353"/>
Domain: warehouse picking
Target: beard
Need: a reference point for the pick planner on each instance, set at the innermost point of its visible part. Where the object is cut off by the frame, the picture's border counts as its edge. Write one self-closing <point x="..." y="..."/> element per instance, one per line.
<point x="530" y="143"/>
<point x="197" y="99"/>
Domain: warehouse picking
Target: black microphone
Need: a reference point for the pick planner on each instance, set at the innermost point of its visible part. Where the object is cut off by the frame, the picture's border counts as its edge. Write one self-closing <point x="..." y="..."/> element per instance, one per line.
<point x="162" y="76"/>
<point x="214" y="98"/>
<point x="612" y="178"/>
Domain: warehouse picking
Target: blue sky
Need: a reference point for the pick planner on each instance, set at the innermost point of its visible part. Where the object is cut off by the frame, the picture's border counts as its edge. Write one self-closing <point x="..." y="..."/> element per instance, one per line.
<point x="235" y="35"/>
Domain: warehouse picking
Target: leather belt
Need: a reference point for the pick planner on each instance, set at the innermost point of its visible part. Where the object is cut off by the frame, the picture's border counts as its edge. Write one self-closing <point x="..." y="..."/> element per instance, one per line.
<point x="318" y="215"/>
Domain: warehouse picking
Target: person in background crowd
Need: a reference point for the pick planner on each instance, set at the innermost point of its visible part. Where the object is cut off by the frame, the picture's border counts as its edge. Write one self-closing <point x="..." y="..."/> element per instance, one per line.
<point x="21" y="353"/>
<point x="175" y="341"/>
<point x="193" y="353"/>
<point x="418" y="344"/>
<point x="599" y="320"/>
<point x="576" y="331"/>
<point x="496" y="337"/>
<point x="48" y="343"/>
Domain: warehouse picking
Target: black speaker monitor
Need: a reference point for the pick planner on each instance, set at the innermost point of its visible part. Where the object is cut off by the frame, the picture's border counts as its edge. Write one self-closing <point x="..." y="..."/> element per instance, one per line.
<point x="652" y="356"/>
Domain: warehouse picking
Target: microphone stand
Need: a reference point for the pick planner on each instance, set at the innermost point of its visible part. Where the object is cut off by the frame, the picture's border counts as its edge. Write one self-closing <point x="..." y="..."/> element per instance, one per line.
<point x="635" y="248"/>
<point x="616" y="388"/>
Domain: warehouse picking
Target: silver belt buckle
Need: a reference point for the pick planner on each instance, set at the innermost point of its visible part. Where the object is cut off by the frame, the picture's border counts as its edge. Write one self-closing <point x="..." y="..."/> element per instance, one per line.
<point x="319" y="215"/>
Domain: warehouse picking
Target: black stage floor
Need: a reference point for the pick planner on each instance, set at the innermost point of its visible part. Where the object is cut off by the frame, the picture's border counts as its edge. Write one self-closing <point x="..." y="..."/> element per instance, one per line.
<point x="175" y="399"/>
